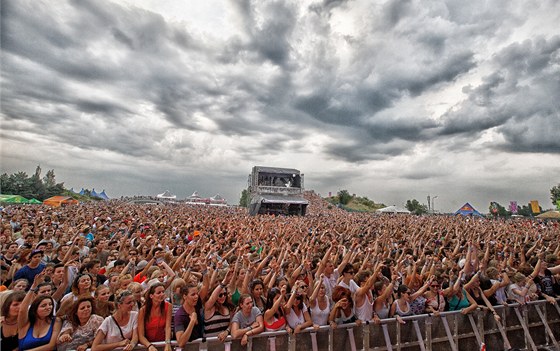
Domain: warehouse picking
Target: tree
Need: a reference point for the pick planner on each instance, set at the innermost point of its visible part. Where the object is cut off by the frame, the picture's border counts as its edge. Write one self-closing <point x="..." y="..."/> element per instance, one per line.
<point x="344" y="197"/>
<point x="498" y="210"/>
<point x="555" y="194"/>
<point x="416" y="207"/>
<point x="244" y="200"/>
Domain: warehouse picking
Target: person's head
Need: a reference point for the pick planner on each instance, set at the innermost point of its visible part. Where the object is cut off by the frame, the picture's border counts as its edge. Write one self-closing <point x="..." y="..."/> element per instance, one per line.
<point x="124" y="280"/>
<point x="190" y="294"/>
<point x="82" y="310"/>
<point x="82" y="284"/>
<point x="273" y="295"/>
<point x="404" y="291"/>
<point x="41" y="308"/>
<point x="12" y="247"/>
<point x="518" y="278"/>
<point x="45" y="288"/>
<point x="125" y="301"/>
<point x="492" y="273"/>
<point x="257" y="286"/>
<point x="103" y="293"/>
<point x="348" y="271"/>
<point x="340" y="293"/>
<point x="35" y="258"/>
<point x="10" y="306"/>
<point x="19" y="285"/>
<point x="176" y="285"/>
<point x="245" y="303"/>
<point x="362" y="277"/>
<point x="155" y="298"/>
<point x="435" y="286"/>
<point x="136" y="289"/>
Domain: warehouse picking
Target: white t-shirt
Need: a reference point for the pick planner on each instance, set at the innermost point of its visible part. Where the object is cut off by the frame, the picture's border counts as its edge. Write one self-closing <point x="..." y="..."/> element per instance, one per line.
<point x="111" y="330"/>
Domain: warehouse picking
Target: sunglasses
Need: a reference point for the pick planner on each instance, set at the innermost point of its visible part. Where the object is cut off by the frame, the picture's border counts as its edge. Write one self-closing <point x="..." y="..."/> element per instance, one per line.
<point x="222" y="294"/>
<point x="303" y="287"/>
<point x="351" y="272"/>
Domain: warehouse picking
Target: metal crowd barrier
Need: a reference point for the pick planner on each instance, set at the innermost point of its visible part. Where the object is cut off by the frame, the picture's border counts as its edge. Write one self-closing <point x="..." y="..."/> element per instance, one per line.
<point x="533" y="326"/>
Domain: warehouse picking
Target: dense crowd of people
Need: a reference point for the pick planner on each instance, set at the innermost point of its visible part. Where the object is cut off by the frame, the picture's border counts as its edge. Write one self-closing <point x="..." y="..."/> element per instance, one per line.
<point x="111" y="274"/>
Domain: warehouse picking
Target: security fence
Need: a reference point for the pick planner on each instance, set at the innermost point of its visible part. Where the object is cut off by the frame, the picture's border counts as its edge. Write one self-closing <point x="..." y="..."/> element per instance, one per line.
<point x="534" y="326"/>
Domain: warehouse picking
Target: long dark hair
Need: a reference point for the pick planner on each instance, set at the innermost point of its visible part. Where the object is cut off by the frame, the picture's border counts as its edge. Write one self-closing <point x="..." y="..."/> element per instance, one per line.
<point x="73" y="316"/>
<point x="148" y="301"/>
<point x="32" y="313"/>
<point x="270" y="302"/>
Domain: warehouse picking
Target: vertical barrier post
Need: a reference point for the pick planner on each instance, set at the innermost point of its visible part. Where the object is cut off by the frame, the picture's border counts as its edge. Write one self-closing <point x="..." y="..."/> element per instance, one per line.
<point x="365" y="336"/>
<point x="351" y="338"/>
<point x="549" y="333"/>
<point x="387" y="337"/>
<point x="448" y="333"/>
<point x="428" y="326"/>
<point x="522" y="319"/>
<point x="419" y="335"/>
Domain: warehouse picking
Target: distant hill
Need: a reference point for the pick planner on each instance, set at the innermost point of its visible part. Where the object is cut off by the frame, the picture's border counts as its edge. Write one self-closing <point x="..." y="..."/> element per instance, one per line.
<point x="356" y="204"/>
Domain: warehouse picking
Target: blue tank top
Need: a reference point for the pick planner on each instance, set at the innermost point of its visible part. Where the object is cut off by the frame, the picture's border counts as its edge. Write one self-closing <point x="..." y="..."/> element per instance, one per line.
<point x="30" y="342"/>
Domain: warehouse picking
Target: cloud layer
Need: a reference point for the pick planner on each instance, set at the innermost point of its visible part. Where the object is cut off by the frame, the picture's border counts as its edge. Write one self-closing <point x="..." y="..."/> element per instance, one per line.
<point x="392" y="100"/>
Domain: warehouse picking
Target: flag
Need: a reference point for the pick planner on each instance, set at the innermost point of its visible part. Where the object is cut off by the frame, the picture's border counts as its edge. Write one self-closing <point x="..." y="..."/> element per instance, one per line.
<point x="535" y="206"/>
<point x="513" y="207"/>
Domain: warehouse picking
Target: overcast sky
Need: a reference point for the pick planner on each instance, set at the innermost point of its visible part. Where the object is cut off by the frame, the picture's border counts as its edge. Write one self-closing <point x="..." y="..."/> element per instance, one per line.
<point x="392" y="100"/>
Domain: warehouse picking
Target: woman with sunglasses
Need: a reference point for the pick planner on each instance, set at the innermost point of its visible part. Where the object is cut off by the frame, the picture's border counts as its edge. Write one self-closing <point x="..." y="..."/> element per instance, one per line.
<point x="217" y="313"/>
<point x="120" y="328"/>
<point x="343" y="310"/>
<point x="297" y="313"/>
<point x="154" y="318"/>
<point x="435" y="299"/>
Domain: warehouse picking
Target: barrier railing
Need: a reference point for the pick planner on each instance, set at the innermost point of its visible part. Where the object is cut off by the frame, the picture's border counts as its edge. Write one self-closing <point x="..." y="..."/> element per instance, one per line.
<point x="529" y="327"/>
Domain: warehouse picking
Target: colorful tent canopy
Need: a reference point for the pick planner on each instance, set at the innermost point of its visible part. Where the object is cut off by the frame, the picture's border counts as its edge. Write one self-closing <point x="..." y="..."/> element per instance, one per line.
<point x="57" y="201"/>
<point x="34" y="201"/>
<point x="103" y="195"/>
<point x="550" y="214"/>
<point x="468" y="210"/>
<point x="13" y="199"/>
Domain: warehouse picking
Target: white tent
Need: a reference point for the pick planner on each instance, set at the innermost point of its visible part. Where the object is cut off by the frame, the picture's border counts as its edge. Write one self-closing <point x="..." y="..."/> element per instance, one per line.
<point x="392" y="209"/>
<point x="166" y="195"/>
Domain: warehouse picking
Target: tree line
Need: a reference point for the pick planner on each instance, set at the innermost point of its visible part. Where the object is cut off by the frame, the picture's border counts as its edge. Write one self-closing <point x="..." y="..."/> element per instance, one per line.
<point x="31" y="187"/>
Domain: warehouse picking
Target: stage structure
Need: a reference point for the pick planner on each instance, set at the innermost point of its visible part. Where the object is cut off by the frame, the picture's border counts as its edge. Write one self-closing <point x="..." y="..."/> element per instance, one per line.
<point x="276" y="191"/>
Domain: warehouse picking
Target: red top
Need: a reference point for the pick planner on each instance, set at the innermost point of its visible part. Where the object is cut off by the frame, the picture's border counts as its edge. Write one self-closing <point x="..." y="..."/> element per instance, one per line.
<point x="155" y="327"/>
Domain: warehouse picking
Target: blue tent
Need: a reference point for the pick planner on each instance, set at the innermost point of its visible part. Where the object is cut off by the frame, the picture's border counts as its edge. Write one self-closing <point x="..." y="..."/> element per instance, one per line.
<point x="467" y="210"/>
<point x="103" y="195"/>
<point x="94" y="194"/>
<point x="82" y="192"/>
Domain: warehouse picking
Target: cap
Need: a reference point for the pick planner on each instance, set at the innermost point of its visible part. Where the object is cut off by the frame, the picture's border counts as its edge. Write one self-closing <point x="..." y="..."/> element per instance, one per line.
<point x="36" y="252"/>
<point x="141" y="265"/>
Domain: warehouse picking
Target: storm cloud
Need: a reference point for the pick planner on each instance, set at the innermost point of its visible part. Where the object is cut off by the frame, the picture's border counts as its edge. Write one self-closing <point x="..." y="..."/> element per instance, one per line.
<point x="389" y="99"/>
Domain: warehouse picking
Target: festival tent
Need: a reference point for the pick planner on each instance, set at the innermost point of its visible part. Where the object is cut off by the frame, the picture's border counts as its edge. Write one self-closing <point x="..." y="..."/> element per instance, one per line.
<point x="550" y="215"/>
<point x="103" y="195"/>
<point x="82" y="192"/>
<point x="468" y="210"/>
<point x="93" y="193"/>
<point x="392" y="209"/>
<point x="34" y="201"/>
<point x="166" y="195"/>
<point x="13" y="199"/>
<point x="57" y="201"/>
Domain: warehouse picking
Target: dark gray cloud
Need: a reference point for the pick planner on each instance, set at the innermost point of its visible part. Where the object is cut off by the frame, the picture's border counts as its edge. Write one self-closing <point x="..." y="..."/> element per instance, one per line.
<point x="322" y="85"/>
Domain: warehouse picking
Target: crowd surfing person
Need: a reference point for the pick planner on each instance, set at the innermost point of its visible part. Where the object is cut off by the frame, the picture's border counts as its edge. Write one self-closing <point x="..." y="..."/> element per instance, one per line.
<point x="185" y="268"/>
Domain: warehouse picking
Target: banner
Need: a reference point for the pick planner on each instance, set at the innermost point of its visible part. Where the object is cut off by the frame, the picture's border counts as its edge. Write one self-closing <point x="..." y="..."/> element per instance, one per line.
<point x="535" y="206"/>
<point x="513" y="207"/>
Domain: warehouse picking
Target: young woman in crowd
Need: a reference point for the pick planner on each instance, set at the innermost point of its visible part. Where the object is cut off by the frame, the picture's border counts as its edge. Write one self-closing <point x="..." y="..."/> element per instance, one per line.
<point x="78" y="330"/>
<point x="154" y="318"/>
<point x="343" y="309"/>
<point x="295" y="310"/>
<point x="188" y="321"/>
<point x="119" y="329"/>
<point x="9" y="325"/>
<point x="319" y="303"/>
<point x="274" y="318"/>
<point x="248" y="320"/>
<point x="384" y="297"/>
<point x="103" y="307"/>
<point x="217" y="312"/>
<point x="37" y="325"/>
